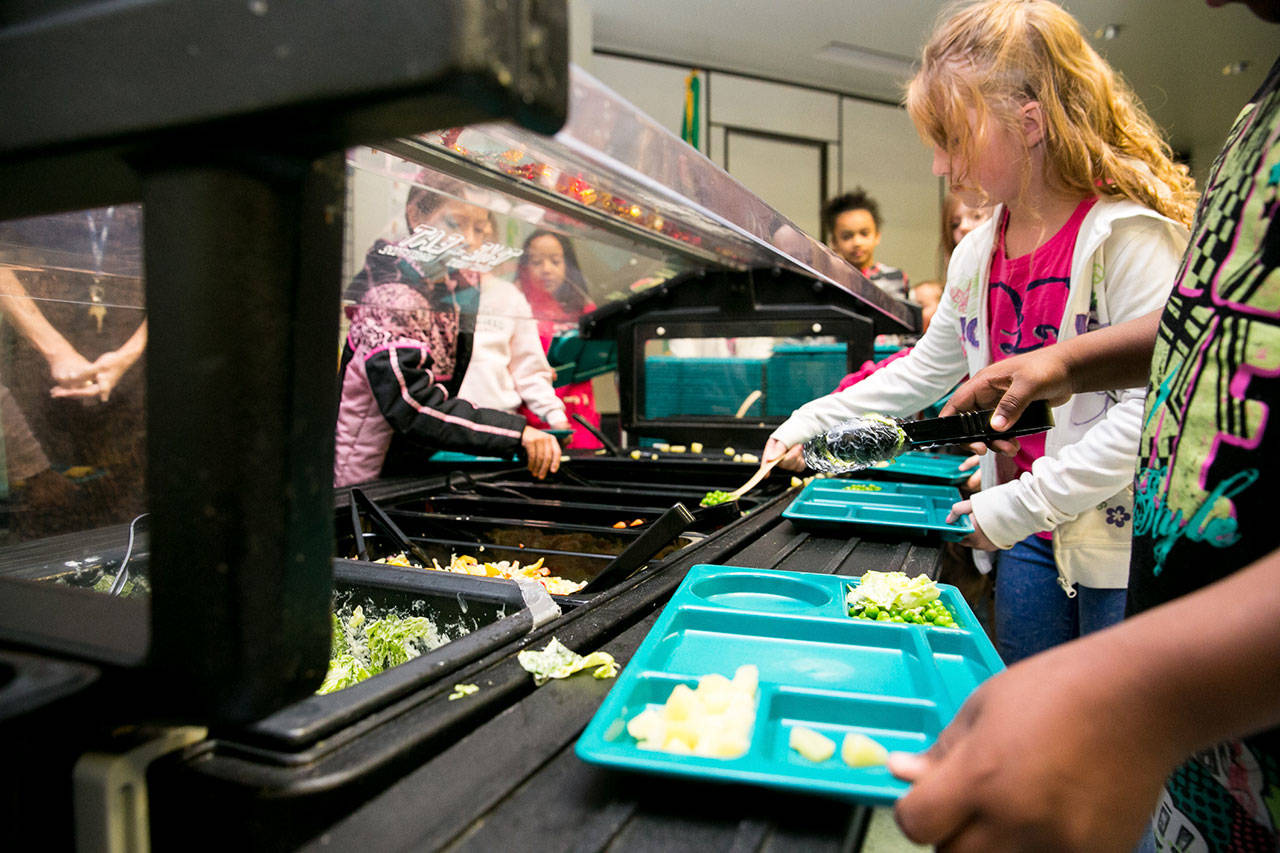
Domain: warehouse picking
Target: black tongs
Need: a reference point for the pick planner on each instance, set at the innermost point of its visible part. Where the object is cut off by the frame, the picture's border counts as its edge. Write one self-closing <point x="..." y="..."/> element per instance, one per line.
<point x="613" y="449"/>
<point x="388" y="528"/>
<point x="968" y="427"/>
<point x="656" y="536"/>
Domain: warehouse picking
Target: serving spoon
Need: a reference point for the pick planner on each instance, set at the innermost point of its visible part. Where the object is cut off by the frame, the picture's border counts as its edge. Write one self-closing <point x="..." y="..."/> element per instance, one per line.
<point x="760" y="474"/>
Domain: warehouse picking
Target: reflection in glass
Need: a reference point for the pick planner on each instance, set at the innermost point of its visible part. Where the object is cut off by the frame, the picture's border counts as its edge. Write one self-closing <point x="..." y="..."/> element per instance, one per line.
<point x="72" y="401"/>
<point x="456" y="297"/>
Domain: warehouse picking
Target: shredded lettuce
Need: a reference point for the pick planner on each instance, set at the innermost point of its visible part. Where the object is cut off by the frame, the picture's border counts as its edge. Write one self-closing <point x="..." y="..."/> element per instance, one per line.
<point x="889" y="590"/>
<point x="363" y="647"/>
<point x="558" y="661"/>
<point x="344" y="671"/>
<point x="396" y="639"/>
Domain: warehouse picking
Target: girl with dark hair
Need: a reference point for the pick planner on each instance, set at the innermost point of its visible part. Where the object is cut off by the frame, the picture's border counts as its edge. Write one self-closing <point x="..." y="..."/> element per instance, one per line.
<point x="549" y="276"/>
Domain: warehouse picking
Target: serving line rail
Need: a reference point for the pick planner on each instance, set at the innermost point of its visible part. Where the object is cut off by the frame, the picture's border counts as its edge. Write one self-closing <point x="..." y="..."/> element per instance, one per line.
<point x="497" y="768"/>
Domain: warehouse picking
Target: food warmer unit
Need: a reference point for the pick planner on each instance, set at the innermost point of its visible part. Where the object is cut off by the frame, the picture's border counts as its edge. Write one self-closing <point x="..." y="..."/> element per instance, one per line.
<point x="187" y="711"/>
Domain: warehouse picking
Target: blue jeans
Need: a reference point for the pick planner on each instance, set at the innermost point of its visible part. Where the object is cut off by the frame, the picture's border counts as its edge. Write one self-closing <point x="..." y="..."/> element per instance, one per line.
<point x="1032" y="611"/>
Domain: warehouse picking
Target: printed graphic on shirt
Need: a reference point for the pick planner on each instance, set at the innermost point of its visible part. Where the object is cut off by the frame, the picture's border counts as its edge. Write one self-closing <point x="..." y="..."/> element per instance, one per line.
<point x="1027" y="326"/>
<point x="1219" y="354"/>
<point x="1224" y="798"/>
<point x="1208" y="469"/>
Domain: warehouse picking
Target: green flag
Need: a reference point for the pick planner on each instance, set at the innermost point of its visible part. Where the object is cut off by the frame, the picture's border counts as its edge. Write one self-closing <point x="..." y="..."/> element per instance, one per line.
<point x="690" y="124"/>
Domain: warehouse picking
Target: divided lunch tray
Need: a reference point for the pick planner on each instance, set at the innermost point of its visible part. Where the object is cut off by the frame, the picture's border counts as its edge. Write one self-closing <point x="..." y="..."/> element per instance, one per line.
<point x="897" y="683"/>
<point x="924" y="466"/>
<point x="914" y="508"/>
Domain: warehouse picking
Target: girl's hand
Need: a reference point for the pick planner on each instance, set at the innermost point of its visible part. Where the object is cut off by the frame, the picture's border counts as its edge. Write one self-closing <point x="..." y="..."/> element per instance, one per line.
<point x="976" y="539"/>
<point x="97" y="381"/>
<point x="542" y="450"/>
<point x="790" y="460"/>
<point x="974" y="483"/>
<point x="69" y="368"/>
<point x="1015" y="771"/>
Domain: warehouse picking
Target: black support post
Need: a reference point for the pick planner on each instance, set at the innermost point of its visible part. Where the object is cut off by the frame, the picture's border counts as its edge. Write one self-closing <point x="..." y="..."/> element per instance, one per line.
<point x="243" y="255"/>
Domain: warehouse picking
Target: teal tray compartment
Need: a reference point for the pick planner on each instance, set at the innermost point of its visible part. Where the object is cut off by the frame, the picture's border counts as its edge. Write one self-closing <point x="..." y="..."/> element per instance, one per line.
<point x="899" y="684"/>
<point x="561" y="435"/>
<point x="575" y="359"/>
<point x="923" y="466"/>
<point x="454" y="456"/>
<point x="880" y="353"/>
<point x="916" y="508"/>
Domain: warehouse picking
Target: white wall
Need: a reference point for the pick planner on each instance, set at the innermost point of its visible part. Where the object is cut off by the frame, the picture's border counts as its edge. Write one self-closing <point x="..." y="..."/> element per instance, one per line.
<point x="656" y="88"/>
<point x="786" y="172"/>
<point x="881" y="152"/>
<point x="773" y="107"/>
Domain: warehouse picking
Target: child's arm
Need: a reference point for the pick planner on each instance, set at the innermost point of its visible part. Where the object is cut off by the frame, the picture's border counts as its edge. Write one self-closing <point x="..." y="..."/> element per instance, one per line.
<point x="1115" y="357"/>
<point x="906" y="386"/>
<point x="1067" y="750"/>
<point x="66" y="365"/>
<point x="533" y="375"/>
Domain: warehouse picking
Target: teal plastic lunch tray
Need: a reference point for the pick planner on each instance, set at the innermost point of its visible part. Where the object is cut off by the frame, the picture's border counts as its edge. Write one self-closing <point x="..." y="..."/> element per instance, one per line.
<point x="897" y="683"/>
<point x="923" y="466"/>
<point x="916" y="508"/>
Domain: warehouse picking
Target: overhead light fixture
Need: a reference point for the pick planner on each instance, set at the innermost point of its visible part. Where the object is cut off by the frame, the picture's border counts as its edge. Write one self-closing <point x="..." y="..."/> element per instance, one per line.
<point x="867" y="59"/>
<point x="1235" y="68"/>
<point x="1108" y="32"/>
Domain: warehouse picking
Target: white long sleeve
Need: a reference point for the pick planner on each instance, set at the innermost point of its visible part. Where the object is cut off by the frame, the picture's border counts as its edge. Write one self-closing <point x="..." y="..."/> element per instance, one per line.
<point x="508" y="366"/>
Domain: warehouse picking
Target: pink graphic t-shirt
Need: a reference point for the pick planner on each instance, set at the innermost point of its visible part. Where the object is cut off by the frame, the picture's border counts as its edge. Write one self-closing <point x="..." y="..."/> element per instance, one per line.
<point x="1025" y="304"/>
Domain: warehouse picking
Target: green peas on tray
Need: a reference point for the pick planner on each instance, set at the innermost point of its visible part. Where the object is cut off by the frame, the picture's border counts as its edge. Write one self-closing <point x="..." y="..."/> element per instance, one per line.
<point x="935" y="613"/>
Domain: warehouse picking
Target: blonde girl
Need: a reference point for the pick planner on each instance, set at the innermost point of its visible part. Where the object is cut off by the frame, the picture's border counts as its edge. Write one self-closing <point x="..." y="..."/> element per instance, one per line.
<point x="1089" y="225"/>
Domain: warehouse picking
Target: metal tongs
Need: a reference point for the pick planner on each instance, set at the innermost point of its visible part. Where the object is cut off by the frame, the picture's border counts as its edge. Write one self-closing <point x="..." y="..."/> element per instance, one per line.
<point x="613" y="449"/>
<point x="967" y="427"/>
<point x="362" y="502"/>
<point x="122" y="575"/>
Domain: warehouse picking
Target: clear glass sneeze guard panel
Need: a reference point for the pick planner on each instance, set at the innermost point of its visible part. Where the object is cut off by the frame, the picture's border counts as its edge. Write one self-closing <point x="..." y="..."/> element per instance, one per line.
<point x="490" y="287"/>
<point x="72" y="381"/>
<point x="615" y="166"/>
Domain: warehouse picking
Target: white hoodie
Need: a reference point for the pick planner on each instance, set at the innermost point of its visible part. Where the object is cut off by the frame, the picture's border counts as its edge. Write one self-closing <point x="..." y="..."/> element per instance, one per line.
<point x="508" y="366"/>
<point x="1123" y="266"/>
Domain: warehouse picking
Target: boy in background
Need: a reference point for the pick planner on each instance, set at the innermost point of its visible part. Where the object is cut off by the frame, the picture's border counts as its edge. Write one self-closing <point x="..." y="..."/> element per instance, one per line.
<point x="852" y="222"/>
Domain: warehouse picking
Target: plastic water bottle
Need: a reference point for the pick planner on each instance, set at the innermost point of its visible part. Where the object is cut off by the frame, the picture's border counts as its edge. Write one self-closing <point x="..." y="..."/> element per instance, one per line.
<point x="854" y="444"/>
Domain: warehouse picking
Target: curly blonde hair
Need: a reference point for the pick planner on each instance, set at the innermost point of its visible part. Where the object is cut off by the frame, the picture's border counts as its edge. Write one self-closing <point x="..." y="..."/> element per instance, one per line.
<point x="987" y="59"/>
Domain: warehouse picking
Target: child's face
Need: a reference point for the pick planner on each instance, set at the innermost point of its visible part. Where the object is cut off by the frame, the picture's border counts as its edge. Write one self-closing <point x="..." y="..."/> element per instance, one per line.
<point x="992" y="173"/>
<point x="928" y="295"/>
<point x="545" y="260"/>
<point x="458" y="217"/>
<point x="854" y="237"/>
<point x="965" y="218"/>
